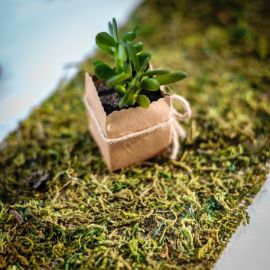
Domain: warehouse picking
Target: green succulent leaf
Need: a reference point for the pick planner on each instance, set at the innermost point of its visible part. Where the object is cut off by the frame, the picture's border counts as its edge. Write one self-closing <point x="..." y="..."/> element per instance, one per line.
<point x="132" y="55"/>
<point x="127" y="69"/>
<point x="121" y="90"/>
<point x="117" y="79"/>
<point x="138" y="47"/>
<point x="129" y="36"/>
<point x="145" y="64"/>
<point x="115" y="29"/>
<point x="132" y="99"/>
<point x="106" y="49"/>
<point x="122" y="54"/>
<point x="119" y="65"/>
<point x="143" y="101"/>
<point x="150" y="84"/>
<point x="104" y="39"/>
<point x="103" y="71"/>
<point x="142" y="56"/>
<point x="97" y="62"/>
<point x="125" y="100"/>
<point x="110" y="28"/>
<point x="155" y="72"/>
<point x="133" y="84"/>
<point x="171" y="77"/>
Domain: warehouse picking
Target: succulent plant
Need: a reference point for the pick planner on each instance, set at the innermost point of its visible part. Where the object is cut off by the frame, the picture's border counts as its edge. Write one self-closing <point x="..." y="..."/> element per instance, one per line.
<point x="132" y="71"/>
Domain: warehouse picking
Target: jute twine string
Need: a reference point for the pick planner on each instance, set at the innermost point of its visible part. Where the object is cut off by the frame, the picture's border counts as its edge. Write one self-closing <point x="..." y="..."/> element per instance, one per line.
<point x="176" y="129"/>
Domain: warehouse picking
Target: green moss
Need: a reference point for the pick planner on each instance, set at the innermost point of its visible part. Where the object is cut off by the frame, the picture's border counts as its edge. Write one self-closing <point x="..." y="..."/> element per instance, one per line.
<point x="62" y="209"/>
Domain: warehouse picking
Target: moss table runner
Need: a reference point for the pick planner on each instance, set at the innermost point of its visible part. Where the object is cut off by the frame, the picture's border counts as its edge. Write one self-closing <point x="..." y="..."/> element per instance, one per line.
<point x="61" y="209"/>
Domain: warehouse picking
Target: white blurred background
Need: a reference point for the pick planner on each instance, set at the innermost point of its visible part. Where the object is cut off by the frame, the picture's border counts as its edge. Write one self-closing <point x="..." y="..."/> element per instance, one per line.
<point x="37" y="39"/>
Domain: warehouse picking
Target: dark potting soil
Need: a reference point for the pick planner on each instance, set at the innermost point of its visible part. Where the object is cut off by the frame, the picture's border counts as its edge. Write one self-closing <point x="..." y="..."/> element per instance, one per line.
<point x="110" y="99"/>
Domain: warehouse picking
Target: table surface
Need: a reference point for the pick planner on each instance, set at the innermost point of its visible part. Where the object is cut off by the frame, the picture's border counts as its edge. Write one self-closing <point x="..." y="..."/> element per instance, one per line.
<point x="24" y="84"/>
<point x="249" y="247"/>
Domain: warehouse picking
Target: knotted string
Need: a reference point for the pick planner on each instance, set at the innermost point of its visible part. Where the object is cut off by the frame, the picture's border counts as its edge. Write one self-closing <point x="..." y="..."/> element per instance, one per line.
<point x="176" y="128"/>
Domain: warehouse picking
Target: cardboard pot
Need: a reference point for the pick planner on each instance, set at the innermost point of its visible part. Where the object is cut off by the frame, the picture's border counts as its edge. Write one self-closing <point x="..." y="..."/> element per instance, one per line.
<point x="130" y="135"/>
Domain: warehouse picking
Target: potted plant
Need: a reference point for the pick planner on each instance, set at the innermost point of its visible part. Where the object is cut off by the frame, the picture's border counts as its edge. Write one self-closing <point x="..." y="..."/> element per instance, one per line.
<point x="130" y="115"/>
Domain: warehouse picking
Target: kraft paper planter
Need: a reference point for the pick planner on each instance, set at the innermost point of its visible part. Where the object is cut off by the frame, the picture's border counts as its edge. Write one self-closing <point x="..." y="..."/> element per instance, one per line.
<point x="119" y="134"/>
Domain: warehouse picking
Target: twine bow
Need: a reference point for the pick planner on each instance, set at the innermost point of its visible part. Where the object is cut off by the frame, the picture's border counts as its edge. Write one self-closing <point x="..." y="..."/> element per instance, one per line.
<point x="176" y="128"/>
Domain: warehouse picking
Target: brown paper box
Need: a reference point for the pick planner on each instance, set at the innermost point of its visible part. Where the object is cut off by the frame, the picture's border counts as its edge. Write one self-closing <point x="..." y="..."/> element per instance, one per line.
<point x="126" y="121"/>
